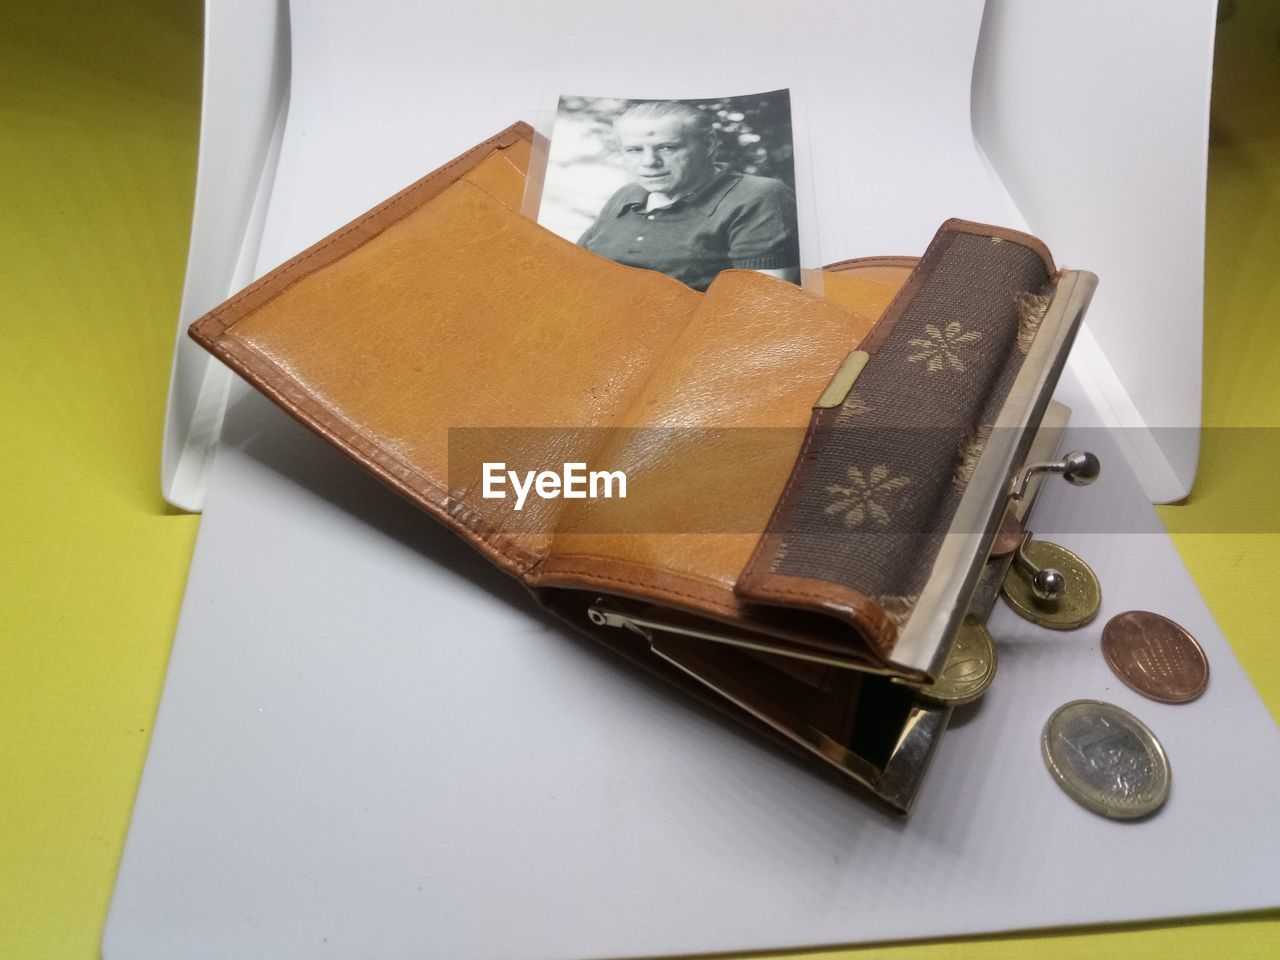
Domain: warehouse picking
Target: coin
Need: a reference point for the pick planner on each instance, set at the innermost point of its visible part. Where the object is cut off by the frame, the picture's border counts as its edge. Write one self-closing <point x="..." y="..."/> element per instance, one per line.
<point x="1007" y="537"/>
<point x="969" y="669"/>
<point x="1079" y="602"/>
<point x="1155" y="656"/>
<point x="1106" y="759"/>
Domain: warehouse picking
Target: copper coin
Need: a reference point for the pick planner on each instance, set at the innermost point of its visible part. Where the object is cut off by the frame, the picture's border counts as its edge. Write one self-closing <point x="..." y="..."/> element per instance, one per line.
<point x="1155" y="656"/>
<point x="1008" y="537"/>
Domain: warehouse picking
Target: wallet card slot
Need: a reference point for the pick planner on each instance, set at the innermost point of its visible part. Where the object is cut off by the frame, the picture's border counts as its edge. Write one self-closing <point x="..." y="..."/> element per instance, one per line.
<point x="708" y="441"/>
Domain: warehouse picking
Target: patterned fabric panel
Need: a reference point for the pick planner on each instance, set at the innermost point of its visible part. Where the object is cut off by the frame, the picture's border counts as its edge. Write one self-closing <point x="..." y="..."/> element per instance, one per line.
<point x="883" y="474"/>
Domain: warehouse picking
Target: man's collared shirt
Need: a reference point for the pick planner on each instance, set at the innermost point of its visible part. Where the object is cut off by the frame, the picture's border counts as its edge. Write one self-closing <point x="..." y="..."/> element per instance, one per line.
<point x="735" y="220"/>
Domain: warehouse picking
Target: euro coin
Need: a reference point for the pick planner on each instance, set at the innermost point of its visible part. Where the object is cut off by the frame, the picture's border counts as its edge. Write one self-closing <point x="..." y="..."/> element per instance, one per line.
<point x="1079" y="602"/>
<point x="1155" y="656"/>
<point x="1106" y="759"/>
<point x="1008" y="537"/>
<point x="969" y="669"/>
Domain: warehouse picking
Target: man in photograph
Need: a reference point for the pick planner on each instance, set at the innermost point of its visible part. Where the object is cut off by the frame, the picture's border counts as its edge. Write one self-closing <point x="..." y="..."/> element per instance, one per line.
<point x="686" y="215"/>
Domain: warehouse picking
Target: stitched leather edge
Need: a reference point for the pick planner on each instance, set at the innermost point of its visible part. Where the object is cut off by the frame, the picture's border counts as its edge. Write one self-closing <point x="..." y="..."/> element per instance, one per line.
<point x="422" y="490"/>
<point x="650" y="582"/>
<point x="854" y="608"/>
<point x="358" y="232"/>
<point x="215" y="332"/>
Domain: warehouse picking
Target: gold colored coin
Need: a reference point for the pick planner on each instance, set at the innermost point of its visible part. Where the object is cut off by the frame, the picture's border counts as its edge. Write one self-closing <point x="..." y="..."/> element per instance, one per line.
<point x="1079" y="602"/>
<point x="969" y="669"/>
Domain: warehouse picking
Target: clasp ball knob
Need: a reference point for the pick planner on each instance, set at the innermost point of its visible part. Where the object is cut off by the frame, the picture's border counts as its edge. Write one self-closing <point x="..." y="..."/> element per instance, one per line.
<point x="1047" y="584"/>
<point x="1081" y="468"/>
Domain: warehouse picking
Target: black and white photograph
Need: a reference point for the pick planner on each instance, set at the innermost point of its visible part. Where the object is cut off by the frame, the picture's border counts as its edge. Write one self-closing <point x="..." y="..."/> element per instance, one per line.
<point x="685" y="187"/>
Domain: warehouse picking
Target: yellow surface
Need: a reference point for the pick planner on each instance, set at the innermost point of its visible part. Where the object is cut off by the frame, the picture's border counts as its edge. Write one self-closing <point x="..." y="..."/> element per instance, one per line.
<point x="99" y="114"/>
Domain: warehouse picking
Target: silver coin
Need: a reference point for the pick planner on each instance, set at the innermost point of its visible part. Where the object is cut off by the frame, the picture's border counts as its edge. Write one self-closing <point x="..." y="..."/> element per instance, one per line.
<point x="1106" y="759"/>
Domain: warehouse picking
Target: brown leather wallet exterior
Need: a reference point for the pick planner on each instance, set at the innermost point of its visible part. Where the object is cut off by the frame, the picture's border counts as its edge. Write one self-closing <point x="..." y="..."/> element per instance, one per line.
<point x="801" y="536"/>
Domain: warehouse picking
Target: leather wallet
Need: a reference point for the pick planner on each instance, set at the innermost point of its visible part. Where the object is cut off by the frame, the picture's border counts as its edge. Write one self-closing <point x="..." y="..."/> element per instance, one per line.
<point x="814" y="483"/>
